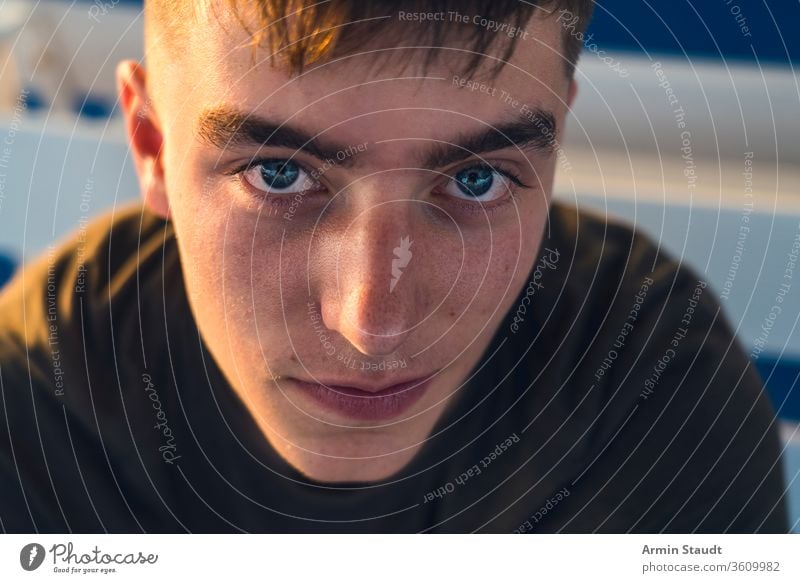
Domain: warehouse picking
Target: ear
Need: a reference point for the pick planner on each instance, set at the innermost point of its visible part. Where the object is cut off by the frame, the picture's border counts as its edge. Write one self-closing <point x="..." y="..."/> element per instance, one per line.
<point x="144" y="135"/>
<point x="572" y="92"/>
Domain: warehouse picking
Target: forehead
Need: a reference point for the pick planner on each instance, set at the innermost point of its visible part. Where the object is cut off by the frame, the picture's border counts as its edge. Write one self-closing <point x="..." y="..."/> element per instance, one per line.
<point x="219" y="68"/>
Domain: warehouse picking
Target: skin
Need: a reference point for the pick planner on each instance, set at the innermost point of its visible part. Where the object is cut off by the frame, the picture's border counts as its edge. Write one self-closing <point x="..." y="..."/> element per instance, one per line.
<point x="251" y="274"/>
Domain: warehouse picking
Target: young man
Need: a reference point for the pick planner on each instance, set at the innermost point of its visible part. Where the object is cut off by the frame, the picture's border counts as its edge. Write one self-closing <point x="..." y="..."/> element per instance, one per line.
<point x="348" y="303"/>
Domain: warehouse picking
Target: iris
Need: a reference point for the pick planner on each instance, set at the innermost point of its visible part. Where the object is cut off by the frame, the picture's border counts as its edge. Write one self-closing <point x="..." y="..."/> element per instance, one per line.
<point x="475" y="181"/>
<point x="279" y="174"/>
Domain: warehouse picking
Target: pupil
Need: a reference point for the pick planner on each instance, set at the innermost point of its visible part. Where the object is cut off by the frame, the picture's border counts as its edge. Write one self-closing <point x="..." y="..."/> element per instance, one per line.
<point x="475" y="181"/>
<point x="279" y="173"/>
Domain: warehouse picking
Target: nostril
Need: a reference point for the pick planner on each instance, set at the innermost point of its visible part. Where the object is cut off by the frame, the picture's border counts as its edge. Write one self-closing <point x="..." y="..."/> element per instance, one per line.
<point x="373" y="322"/>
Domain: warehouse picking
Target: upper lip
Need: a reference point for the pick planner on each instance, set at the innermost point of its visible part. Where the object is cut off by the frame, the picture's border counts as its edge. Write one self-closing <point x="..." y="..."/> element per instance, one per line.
<point x="367" y="388"/>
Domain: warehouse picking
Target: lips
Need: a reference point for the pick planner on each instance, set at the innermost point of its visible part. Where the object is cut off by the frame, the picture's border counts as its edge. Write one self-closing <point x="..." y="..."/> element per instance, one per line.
<point x="367" y="403"/>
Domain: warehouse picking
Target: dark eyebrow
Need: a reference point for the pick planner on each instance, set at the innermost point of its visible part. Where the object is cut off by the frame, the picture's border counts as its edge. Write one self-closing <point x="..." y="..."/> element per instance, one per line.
<point x="224" y="128"/>
<point x="535" y="131"/>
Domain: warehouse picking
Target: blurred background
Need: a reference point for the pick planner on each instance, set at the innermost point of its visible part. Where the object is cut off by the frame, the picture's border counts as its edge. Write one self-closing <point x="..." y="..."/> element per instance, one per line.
<point x="687" y="124"/>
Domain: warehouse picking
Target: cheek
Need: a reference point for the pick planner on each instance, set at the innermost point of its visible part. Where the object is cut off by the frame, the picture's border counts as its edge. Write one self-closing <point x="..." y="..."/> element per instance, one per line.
<point x="496" y="265"/>
<point x="492" y="278"/>
<point x="262" y="274"/>
<point x="231" y="265"/>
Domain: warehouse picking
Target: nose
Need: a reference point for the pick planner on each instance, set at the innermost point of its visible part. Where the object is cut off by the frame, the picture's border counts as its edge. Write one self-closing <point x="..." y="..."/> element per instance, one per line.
<point x="376" y="294"/>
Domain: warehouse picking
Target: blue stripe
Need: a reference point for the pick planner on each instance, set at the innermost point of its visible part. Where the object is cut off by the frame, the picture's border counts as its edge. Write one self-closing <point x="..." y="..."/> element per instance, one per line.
<point x="701" y="29"/>
<point x="780" y="378"/>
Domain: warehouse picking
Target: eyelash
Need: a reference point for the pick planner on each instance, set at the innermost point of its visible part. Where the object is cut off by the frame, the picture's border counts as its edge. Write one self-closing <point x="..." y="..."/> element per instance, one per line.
<point x="491" y="206"/>
<point x="277" y="201"/>
<point x="476" y="207"/>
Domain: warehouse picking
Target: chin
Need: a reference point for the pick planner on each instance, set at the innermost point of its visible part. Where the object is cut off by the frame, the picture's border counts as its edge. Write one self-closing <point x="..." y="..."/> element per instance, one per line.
<point x="374" y="461"/>
<point x="354" y="470"/>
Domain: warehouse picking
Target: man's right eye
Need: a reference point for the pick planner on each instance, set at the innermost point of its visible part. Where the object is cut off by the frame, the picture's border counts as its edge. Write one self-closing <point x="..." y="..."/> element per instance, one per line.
<point x="277" y="176"/>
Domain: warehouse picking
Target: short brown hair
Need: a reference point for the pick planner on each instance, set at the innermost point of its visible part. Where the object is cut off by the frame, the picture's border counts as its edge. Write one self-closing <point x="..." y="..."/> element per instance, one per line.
<point x="305" y="31"/>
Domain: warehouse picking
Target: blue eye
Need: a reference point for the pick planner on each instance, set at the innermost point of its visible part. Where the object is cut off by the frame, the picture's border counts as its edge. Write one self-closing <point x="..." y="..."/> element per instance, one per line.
<point x="279" y="177"/>
<point x="279" y="174"/>
<point x="475" y="182"/>
<point x="479" y="183"/>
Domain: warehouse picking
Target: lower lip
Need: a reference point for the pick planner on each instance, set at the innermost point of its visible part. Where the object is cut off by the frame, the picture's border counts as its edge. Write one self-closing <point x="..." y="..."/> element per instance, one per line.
<point x="357" y="404"/>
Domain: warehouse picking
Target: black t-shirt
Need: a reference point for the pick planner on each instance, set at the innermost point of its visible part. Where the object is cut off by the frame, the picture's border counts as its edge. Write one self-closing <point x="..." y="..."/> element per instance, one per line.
<point x="613" y="398"/>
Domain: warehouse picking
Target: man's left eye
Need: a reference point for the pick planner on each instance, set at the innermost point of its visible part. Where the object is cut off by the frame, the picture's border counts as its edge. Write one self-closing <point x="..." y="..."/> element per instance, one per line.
<point x="479" y="183"/>
<point x="279" y="177"/>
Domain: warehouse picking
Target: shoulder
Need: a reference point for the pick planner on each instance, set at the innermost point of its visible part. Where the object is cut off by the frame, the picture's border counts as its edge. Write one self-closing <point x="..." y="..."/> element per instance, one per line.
<point x="609" y="256"/>
<point x="608" y="273"/>
<point x="90" y="265"/>
<point x="65" y="302"/>
<point x="66" y="323"/>
<point x="681" y="420"/>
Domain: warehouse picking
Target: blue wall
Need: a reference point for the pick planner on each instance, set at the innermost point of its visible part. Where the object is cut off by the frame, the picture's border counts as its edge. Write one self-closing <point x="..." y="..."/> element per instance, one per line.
<point x="703" y="28"/>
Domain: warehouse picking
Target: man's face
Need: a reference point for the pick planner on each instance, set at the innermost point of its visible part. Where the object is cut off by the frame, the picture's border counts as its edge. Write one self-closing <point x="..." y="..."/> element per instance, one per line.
<point x="385" y="250"/>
